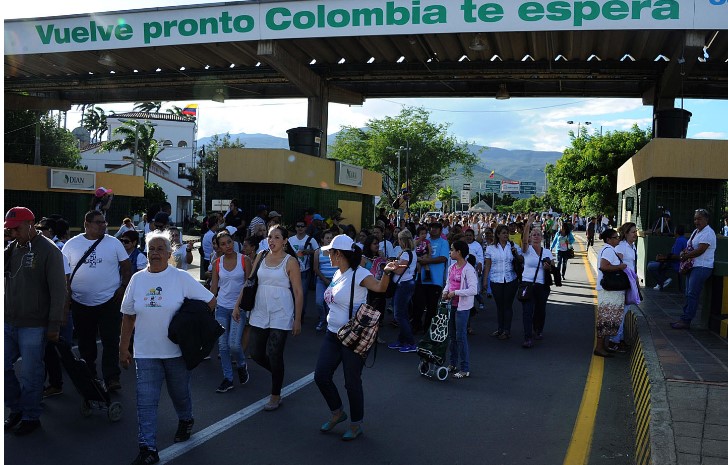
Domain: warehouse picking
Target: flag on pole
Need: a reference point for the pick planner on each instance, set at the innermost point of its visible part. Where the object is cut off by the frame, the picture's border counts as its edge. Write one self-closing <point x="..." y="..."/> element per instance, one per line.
<point x="190" y="110"/>
<point x="492" y="174"/>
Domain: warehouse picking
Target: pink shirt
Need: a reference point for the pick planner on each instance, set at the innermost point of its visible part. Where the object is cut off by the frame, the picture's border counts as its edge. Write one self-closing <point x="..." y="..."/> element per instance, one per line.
<point x="454" y="279"/>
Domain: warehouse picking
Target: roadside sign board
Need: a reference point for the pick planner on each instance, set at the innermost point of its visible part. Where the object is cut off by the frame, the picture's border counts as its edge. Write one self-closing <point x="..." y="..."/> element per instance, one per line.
<point x="220" y="205"/>
<point x="528" y="187"/>
<point x="510" y="187"/>
<point x="438" y="204"/>
<point x="465" y="197"/>
<point x="492" y="186"/>
<point x="466" y="186"/>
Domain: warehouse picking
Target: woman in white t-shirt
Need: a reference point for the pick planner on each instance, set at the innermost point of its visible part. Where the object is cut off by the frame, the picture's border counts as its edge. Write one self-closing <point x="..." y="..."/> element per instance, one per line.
<point x="610" y="304"/>
<point x="349" y="277"/>
<point x="537" y="262"/>
<point x="151" y="299"/>
<point x="627" y="249"/>
<point x="229" y="272"/>
<point x="405" y="290"/>
<point x="700" y="249"/>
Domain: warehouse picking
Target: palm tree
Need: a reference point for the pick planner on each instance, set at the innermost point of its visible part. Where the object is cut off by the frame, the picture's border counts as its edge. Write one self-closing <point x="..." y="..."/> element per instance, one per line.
<point x="134" y="133"/>
<point x="148" y="107"/>
<point x="445" y="195"/>
<point x="94" y="121"/>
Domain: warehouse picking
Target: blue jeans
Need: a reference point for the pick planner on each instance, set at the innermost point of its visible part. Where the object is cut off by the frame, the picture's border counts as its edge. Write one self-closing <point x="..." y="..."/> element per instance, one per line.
<point x="333" y="354"/>
<point x="23" y="393"/>
<point x="229" y="343"/>
<point x="562" y="261"/>
<point x="693" y="287"/>
<point x="534" y="311"/>
<point x="620" y="333"/>
<point x="459" y="350"/>
<point x="402" y="299"/>
<point x="305" y="277"/>
<point x="150" y="372"/>
<point x="323" y="307"/>
<point x="658" y="270"/>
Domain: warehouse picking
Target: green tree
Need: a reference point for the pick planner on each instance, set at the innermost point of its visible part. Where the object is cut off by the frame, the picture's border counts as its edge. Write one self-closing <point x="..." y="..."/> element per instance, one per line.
<point x="129" y="131"/>
<point x="208" y="165"/>
<point x="531" y="204"/>
<point x="584" y="179"/>
<point x="148" y="107"/>
<point x="446" y="195"/>
<point x="153" y="194"/>
<point x="93" y="119"/>
<point x="58" y="147"/>
<point x="433" y="154"/>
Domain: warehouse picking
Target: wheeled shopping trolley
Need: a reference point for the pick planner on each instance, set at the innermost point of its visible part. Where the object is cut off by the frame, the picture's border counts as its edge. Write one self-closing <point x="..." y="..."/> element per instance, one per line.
<point x="92" y="390"/>
<point x="433" y="347"/>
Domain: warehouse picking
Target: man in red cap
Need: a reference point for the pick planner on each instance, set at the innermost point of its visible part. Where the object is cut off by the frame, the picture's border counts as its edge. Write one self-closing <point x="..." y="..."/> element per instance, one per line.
<point x="35" y="295"/>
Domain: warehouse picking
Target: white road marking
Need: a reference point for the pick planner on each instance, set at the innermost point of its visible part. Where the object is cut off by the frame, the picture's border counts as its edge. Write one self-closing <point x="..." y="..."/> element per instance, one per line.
<point x="176" y="450"/>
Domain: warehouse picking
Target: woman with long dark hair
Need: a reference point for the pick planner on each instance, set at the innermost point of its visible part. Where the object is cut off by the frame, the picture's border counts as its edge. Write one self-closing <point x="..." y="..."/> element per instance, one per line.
<point x="562" y="245"/>
<point x="277" y="310"/>
<point x="500" y="271"/>
<point x="461" y="287"/>
<point x="229" y="272"/>
<point x="536" y="263"/>
<point x="348" y="280"/>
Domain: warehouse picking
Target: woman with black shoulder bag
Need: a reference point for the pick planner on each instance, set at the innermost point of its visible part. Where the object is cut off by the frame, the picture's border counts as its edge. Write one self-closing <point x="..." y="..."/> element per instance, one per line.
<point x="501" y="262"/>
<point x="537" y="263"/>
<point x="610" y="303"/>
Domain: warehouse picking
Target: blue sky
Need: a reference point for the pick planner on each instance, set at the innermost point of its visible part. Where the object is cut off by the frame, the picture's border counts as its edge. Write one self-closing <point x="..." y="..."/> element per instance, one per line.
<point x="534" y="123"/>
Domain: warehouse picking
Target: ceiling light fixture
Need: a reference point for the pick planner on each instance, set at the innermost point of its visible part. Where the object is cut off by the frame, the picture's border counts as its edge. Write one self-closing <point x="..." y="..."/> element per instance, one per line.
<point x="106" y="59"/>
<point x="502" y="93"/>
<point x="477" y="44"/>
<point x="219" y="96"/>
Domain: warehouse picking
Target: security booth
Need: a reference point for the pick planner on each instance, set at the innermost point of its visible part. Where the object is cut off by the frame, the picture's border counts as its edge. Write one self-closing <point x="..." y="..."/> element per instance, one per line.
<point x="46" y="191"/>
<point x="290" y="182"/>
<point x="660" y="188"/>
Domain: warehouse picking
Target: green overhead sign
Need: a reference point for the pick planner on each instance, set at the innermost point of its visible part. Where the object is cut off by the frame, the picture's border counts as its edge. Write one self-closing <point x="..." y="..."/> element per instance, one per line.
<point x="246" y="21"/>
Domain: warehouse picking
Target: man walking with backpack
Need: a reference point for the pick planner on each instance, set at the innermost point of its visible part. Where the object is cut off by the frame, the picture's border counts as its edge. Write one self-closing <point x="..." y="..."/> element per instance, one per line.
<point x="305" y="247"/>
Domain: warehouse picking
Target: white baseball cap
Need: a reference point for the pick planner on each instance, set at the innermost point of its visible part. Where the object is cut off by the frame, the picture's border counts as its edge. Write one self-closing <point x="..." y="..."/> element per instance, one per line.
<point x="340" y="242"/>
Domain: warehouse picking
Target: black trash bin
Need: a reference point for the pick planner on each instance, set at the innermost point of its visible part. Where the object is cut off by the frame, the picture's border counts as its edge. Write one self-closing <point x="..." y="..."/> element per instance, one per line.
<point x="672" y="123"/>
<point x="305" y="140"/>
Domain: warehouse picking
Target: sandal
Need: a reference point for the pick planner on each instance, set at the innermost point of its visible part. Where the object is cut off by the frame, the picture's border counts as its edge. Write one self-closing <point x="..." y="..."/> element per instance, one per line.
<point x="452" y="369"/>
<point x="461" y="374"/>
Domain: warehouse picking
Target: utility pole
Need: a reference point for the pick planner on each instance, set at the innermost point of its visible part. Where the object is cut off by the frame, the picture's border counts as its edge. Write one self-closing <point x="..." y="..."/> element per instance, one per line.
<point x="204" y="178"/>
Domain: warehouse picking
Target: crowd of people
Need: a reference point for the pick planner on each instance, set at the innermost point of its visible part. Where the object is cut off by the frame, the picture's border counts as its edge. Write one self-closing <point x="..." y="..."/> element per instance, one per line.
<point x="126" y="288"/>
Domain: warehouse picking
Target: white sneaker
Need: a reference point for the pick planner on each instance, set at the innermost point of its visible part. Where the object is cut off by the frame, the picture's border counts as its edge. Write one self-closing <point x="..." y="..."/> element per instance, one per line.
<point x="666" y="283"/>
<point x="657" y="288"/>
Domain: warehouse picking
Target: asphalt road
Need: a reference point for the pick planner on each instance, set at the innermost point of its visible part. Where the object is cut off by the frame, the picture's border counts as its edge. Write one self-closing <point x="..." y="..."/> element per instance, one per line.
<point x="518" y="407"/>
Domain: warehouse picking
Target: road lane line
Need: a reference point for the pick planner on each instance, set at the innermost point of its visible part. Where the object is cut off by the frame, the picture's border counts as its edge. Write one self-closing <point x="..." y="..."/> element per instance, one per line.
<point x="176" y="450"/>
<point x="581" y="437"/>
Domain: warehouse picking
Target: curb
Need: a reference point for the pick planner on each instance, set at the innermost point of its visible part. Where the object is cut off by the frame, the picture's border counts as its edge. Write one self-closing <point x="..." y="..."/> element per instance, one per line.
<point x="654" y="438"/>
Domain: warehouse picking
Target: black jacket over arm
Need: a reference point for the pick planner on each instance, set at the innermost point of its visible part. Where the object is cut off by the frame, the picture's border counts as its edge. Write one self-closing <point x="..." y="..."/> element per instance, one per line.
<point x="195" y="330"/>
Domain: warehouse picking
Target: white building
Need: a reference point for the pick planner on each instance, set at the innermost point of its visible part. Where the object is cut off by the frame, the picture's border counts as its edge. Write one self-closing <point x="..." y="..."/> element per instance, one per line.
<point x="170" y="169"/>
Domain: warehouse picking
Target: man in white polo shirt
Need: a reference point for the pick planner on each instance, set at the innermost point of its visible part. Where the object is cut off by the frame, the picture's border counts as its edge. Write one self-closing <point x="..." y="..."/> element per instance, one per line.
<point x="101" y="271"/>
<point x="305" y="247"/>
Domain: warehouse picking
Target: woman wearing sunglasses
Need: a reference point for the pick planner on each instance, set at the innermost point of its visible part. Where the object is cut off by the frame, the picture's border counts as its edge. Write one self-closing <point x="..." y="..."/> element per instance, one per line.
<point x="130" y="240"/>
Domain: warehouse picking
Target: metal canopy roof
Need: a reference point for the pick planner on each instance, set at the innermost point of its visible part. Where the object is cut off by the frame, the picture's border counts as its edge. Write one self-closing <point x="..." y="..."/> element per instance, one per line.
<point x="651" y="64"/>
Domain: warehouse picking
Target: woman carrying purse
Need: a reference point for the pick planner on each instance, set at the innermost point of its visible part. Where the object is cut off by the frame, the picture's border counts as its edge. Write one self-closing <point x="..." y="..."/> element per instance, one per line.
<point x="537" y="263"/>
<point x="500" y="271"/>
<point x="610" y="304"/>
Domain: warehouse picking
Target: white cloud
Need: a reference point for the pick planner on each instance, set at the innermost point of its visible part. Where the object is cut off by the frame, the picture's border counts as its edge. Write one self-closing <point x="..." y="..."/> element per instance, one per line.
<point x="710" y="135"/>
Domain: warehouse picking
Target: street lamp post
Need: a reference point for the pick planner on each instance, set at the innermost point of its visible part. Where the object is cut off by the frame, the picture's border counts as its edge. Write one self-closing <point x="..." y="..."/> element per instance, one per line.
<point x="578" y="126"/>
<point x="545" y="181"/>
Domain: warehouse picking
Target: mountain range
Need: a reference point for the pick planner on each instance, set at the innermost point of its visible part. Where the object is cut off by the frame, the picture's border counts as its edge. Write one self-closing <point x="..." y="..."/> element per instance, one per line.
<point x="516" y="165"/>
